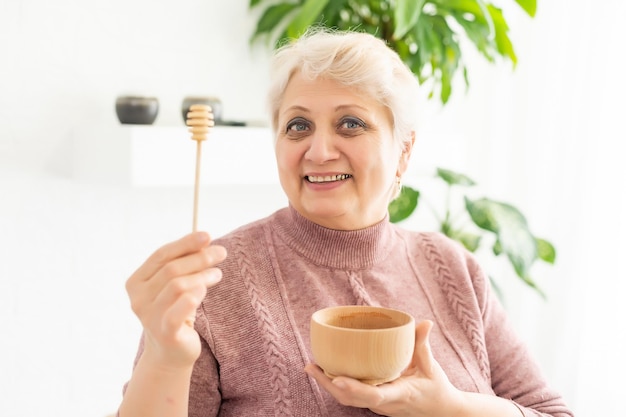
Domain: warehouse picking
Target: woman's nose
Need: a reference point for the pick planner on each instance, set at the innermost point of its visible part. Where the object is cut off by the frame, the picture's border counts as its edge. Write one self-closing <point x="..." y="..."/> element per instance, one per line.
<point x="321" y="148"/>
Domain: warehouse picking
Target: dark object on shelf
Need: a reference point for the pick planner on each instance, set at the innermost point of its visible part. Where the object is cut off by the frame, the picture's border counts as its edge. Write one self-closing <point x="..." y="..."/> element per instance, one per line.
<point x="136" y="110"/>
<point x="232" y="123"/>
<point x="215" y="103"/>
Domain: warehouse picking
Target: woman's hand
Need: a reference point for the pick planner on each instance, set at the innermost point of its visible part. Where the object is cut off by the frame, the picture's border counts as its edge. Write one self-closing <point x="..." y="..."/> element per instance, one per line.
<point x="423" y="390"/>
<point x="165" y="293"/>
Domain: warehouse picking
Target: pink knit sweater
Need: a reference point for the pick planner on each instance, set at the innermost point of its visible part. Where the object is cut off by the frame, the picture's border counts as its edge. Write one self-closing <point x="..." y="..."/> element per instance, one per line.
<point x="254" y="325"/>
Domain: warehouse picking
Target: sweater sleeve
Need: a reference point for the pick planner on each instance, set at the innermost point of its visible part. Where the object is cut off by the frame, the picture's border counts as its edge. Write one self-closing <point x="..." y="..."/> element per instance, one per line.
<point x="514" y="373"/>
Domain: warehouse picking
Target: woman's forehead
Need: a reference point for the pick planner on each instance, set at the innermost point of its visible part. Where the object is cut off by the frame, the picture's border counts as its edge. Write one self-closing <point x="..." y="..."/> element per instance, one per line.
<point x="324" y="90"/>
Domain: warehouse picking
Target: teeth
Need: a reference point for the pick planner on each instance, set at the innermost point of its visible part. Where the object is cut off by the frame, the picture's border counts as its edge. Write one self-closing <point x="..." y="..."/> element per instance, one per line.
<point x="328" y="178"/>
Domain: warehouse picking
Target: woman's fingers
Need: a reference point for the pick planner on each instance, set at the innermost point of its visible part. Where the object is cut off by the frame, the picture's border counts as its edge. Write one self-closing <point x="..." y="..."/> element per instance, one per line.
<point x="336" y="387"/>
<point x="423" y="361"/>
<point x="184" y="257"/>
<point x="348" y="391"/>
<point x="190" y="264"/>
<point x="190" y="243"/>
<point x="181" y="297"/>
<point x="182" y="310"/>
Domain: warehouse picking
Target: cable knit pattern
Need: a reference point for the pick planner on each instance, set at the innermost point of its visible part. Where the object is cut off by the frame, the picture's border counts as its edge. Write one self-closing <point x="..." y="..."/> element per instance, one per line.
<point x="361" y="296"/>
<point x="275" y="359"/>
<point x="458" y="303"/>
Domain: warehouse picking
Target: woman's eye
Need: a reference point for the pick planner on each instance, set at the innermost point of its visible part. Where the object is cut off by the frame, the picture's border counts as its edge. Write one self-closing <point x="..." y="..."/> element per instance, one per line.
<point x="352" y="124"/>
<point x="298" y="125"/>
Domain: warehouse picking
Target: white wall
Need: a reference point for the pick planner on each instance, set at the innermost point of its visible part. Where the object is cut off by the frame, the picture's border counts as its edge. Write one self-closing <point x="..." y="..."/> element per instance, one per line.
<point x="543" y="137"/>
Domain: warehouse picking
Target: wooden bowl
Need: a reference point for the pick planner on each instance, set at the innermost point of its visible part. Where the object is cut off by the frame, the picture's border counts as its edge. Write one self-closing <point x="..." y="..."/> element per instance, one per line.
<point x="371" y="344"/>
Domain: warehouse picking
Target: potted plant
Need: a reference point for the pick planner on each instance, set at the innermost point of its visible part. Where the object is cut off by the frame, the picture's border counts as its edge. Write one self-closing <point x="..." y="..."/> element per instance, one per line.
<point x="430" y="36"/>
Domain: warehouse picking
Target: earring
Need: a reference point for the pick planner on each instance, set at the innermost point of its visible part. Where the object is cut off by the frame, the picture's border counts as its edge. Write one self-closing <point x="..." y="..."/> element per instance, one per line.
<point x="399" y="184"/>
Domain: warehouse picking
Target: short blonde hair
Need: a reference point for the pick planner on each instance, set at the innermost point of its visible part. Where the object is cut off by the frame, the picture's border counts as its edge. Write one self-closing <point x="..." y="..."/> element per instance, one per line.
<point x="353" y="59"/>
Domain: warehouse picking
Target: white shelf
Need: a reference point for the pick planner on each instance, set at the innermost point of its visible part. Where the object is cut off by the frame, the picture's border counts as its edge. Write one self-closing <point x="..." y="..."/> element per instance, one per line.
<point x="139" y="155"/>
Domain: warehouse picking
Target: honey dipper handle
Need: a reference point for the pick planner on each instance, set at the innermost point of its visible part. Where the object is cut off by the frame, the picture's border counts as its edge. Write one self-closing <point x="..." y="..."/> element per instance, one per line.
<point x="196" y="191"/>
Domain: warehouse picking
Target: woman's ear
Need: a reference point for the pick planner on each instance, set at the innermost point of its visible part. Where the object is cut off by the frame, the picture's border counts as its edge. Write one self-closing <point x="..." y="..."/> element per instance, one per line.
<point x="405" y="156"/>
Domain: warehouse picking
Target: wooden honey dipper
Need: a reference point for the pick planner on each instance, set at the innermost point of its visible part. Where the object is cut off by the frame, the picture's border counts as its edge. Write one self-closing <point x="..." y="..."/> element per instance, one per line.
<point x="200" y="122"/>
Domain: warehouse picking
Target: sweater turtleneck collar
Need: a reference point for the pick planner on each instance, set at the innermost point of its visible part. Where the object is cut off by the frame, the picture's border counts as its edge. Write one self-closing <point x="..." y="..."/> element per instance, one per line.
<point x="341" y="249"/>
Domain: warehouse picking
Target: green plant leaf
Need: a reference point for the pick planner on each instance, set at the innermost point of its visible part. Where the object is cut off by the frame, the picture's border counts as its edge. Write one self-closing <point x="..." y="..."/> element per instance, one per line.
<point x="445" y="65"/>
<point x="427" y="43"/>
<point x="271" y="17"/>
<point x="496" y="248"/>
<point x="449" y="67"/>
<point x="511" y="230"/>
<point x="546" y="251"/>
<point x="406" y="14"/>
<point x="471" y="241"/>
<point x="477" y="31"/>
<point x="469" y="7"/>
<point x="331" y="17"/>
<point x="529" y="6"/>
<point x="308" y="14"/>
<point x="487" y="16"/>
<point x="503" y="43"/>
<point x="454" y="178"/>
<point x="404" y="205"/>
<point x="532" y="284"/>
<point x="253" y="3"/>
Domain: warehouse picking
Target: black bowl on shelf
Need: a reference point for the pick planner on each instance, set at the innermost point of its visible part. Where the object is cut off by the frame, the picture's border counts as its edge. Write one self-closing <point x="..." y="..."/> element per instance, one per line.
<point x="136" y="110"/>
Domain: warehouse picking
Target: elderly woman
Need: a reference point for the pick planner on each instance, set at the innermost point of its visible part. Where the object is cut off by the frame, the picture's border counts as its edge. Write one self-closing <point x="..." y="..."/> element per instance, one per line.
<point x="226" y="322"/>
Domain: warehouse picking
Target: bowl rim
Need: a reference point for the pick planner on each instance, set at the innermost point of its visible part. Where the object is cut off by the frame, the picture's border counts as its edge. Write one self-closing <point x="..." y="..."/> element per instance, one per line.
<point x="408" y="319"/>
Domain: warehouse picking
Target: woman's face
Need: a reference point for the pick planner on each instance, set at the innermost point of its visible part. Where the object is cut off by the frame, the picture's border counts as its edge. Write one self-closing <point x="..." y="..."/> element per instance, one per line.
<point x="337" y="159"/>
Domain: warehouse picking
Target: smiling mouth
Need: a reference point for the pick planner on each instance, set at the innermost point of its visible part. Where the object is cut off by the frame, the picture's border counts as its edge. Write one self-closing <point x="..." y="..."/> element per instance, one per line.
<point x="327" y="178"/>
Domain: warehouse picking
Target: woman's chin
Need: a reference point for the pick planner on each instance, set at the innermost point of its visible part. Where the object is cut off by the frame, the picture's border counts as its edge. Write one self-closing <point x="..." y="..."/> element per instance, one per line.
<point x="336" y="217"/>
<point x="325" y="214"/>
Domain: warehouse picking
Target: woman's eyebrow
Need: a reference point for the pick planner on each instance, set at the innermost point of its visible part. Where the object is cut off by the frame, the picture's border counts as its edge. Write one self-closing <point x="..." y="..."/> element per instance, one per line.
<point x="350" y="106"/>
<point x="297" y="107"/>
